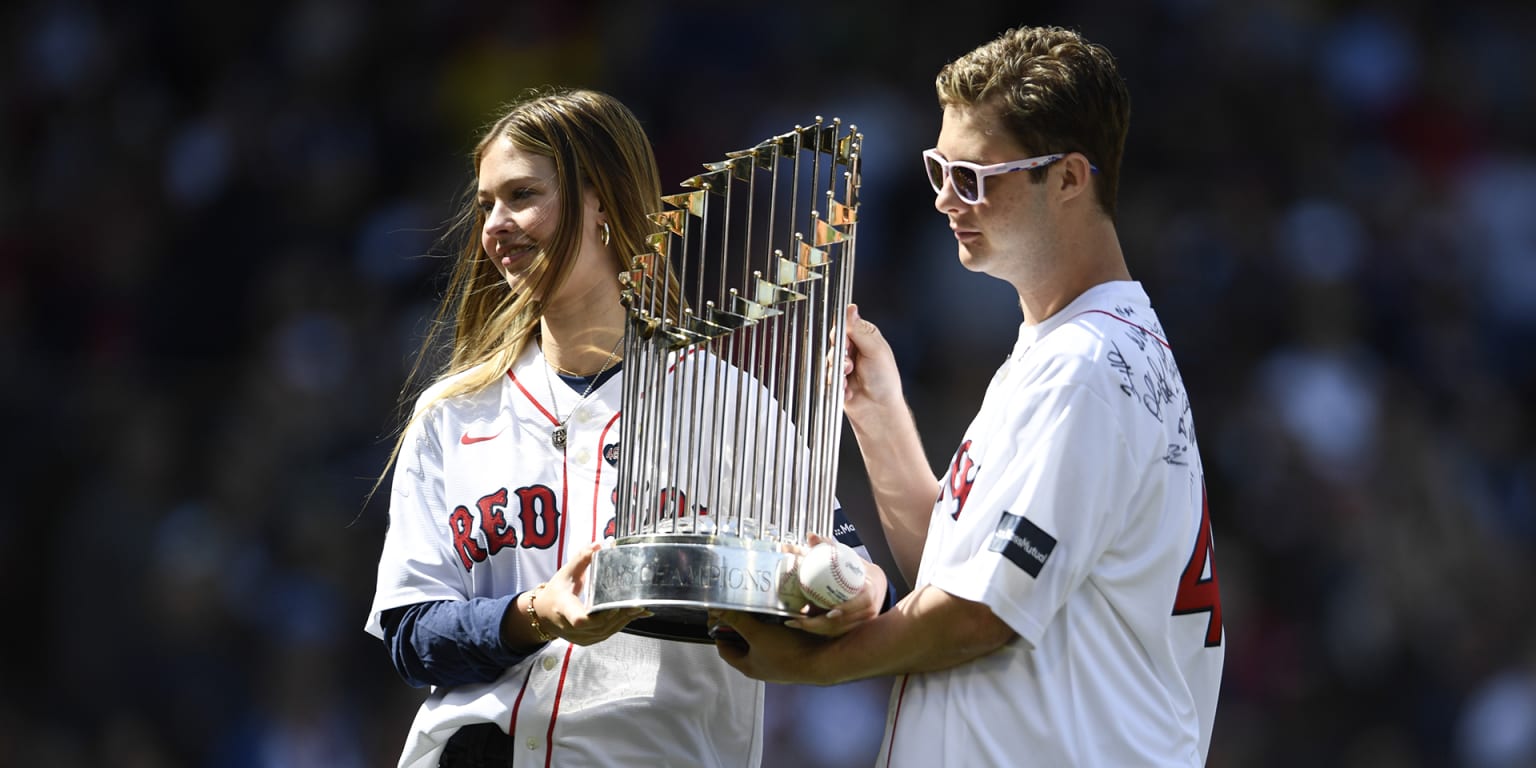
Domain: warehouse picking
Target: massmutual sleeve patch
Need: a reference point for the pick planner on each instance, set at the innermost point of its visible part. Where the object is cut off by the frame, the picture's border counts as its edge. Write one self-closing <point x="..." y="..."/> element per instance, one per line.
<point x="843" y="530"/>
<point x="1022" y="542"/>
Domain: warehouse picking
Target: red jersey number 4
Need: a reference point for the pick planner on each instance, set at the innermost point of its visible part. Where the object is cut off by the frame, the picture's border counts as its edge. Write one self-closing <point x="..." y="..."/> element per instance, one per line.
<point x="1198" y="592"/>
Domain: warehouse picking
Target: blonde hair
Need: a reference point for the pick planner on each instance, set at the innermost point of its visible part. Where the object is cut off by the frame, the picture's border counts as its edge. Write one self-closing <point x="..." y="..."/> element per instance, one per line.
<point x="596" y="143"/>
<point x="1054" y="91"/>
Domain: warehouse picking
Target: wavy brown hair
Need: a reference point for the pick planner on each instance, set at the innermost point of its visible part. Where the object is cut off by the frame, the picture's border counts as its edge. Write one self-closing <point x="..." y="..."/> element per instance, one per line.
<point x="1055" y="92"/>
<point x="595" y="142"/>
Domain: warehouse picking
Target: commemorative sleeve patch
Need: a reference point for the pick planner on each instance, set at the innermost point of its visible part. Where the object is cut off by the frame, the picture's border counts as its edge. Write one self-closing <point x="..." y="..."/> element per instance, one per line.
<point x="1022" y="542"/>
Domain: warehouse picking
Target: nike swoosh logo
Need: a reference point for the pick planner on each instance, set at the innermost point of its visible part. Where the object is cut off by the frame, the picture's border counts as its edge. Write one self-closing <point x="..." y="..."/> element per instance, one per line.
<point x="467" y="440"/>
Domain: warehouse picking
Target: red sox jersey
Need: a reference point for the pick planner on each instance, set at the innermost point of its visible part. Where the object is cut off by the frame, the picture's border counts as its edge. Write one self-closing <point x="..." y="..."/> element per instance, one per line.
<point x="483" y="506"/>
<point x="1075" y="509"/>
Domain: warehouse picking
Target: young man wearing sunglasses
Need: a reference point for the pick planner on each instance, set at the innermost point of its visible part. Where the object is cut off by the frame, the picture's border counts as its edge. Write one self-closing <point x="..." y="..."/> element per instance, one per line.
<point x="1065" y="609"/>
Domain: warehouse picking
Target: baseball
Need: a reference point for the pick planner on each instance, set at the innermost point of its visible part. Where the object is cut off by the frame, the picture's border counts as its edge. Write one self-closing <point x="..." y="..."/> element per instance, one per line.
<point x="830" y="574"/>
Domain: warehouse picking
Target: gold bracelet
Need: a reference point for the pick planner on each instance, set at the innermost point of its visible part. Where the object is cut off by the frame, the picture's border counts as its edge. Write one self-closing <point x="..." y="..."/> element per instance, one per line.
<point x="533" y="617"/>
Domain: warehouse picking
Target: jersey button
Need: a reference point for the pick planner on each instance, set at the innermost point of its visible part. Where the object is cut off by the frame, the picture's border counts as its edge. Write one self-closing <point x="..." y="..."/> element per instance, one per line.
<point x="583" y="457"/>
<point x="549" y="663"/>
<point x="533" y="743"/>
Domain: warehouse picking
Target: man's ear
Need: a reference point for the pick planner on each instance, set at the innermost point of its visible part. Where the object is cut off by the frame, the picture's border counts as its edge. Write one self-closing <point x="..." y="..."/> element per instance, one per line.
<point x="1076" y="176"/>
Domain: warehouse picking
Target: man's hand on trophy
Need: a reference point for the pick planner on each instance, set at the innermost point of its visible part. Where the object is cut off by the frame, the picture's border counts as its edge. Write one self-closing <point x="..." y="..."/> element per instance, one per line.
<point x="763" y="649"/>
<point x="838" y="619"/>
<point x="564" y="614"/>
<point x="871" y="381"/>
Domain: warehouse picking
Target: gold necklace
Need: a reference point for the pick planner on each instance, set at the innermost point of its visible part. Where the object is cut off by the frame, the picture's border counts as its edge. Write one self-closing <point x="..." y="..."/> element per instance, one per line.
<point x="573" y="374"/>
<point x="558" y="435"/>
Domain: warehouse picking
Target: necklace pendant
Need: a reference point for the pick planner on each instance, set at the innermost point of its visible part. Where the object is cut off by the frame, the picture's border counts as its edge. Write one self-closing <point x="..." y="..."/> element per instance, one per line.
<point x="557" y="437"/>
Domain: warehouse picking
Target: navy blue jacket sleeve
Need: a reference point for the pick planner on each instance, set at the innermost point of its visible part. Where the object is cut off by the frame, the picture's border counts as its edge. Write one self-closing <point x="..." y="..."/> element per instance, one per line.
<point x="449" y="642"/>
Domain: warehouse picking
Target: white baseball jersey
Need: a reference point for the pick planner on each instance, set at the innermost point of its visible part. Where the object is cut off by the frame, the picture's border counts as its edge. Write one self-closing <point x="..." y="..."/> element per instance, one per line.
<point x="484" y="506"/>
<point x="1075" y="509"/>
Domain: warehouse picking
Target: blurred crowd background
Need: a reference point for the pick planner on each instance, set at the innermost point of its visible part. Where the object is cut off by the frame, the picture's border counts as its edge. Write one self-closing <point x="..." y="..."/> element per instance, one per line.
<point x="216" y="229"/>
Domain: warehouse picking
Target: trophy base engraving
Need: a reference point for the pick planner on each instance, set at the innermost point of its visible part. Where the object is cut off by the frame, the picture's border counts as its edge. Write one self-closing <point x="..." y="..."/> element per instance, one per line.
<point x="680" y="577"/>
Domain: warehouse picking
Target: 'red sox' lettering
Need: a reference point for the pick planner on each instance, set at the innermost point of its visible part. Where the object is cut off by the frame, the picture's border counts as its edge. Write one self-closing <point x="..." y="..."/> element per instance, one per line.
<point x="538" y="515"/>
<point x="493" y="522"/>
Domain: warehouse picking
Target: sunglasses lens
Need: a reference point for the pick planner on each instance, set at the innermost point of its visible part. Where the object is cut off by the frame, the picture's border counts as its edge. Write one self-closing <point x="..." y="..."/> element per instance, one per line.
<point x="966" y="184"/>
<point x="935" y="173"/>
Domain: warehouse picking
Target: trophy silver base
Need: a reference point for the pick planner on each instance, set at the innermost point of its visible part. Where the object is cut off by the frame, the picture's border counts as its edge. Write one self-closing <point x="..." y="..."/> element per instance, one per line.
<point x="681" y="577"/>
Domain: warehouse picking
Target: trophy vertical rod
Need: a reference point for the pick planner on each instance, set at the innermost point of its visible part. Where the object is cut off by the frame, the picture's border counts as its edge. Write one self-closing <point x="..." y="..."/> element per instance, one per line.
<point x="627" y="398"/>
<point x="758" y="362"/>
<point x="767" y="502"/>
<point x="768" y="363"/>
<point x="723" y="506"/>
<point x="640" y="453"/>
<point x="738" y="434"/>
<point x="636" y="364"/>
<point x="811" y="406"/>
<point x="658" y="495"/>
<point x="671" y="485"/>
<point x="689" y="371"/>
<point x="653" y="286"/>
<point x="803" y="352"/>
<point x="820" y="378"/>
<point x="809" y="412"/>
<point x="697" y="358"/>
<point x="742" y="352"/>
<point x="792" y="405"/>
<point x="792" y="397"/>
<point x="752" y="442"/>
<point x="808" y="407"/>
<point x="845" y="289"/>
<point x="824" y="426"/>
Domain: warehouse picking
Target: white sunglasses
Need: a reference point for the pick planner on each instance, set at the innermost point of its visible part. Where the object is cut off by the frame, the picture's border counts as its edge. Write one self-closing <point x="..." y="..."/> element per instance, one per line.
<point x="969" y="178"/>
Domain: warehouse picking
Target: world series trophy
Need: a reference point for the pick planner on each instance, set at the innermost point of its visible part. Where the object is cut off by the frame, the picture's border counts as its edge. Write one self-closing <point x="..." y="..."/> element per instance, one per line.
<point x="733" y="389"/>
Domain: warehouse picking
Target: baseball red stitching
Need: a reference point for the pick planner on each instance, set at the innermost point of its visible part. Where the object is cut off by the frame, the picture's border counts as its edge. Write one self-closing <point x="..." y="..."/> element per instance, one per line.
<point x="837" y="573"/>
<point x="837" y="576"/>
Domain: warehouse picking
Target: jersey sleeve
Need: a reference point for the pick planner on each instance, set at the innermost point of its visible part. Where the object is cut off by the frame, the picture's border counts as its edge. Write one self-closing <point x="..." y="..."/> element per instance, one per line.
<point x="1046" y="505"/>
<point x="416" y="564"/>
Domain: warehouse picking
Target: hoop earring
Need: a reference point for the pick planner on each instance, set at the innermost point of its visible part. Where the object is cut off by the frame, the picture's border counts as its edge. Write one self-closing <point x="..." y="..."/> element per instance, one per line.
<point x="607" y="235"/>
